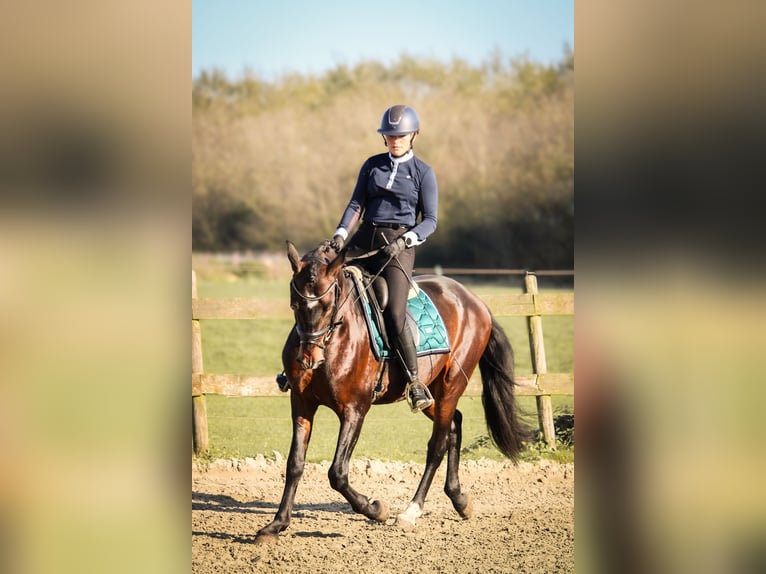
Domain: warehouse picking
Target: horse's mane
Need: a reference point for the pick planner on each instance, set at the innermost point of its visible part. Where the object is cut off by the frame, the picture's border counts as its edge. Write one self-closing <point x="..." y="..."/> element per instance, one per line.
<point x="323" y="253"/>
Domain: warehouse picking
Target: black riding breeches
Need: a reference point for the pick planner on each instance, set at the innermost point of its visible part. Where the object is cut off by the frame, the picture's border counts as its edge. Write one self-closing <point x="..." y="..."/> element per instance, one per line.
<point x="397" y="272"/>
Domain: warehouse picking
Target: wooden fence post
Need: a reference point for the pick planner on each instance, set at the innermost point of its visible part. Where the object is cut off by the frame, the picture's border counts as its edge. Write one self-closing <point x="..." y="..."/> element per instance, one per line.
<point x="539" y="365"/>
<point x="199" y="407"/>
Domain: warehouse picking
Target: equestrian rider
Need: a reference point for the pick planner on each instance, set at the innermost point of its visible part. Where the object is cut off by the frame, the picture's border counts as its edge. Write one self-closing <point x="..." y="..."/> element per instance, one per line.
<point x="392" y="192"/>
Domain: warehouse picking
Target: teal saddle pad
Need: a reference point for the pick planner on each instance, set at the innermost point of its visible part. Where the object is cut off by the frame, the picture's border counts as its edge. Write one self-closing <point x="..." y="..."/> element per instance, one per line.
<point x="431" y="337"/>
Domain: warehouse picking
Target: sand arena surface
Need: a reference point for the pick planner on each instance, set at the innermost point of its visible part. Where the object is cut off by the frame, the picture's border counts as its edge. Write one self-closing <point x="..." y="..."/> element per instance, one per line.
<point x="523" y="519"/>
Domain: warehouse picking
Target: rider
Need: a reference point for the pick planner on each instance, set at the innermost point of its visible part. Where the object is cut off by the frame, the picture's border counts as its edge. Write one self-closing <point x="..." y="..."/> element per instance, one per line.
<point x="392" y="190"/>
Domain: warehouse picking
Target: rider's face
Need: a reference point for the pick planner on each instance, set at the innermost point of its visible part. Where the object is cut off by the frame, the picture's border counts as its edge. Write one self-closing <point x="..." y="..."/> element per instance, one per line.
<point x="399" y="145"/>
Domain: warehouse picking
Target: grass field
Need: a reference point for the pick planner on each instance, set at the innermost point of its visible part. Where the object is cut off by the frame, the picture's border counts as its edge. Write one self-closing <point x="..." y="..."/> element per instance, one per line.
<point x="391" y="432"/>
<point x="246" y="426"/>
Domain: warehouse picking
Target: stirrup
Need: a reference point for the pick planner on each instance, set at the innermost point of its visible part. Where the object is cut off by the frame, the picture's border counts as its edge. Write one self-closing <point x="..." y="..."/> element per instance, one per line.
<point x="423" y="398"/>
<point x="282" y="382"/>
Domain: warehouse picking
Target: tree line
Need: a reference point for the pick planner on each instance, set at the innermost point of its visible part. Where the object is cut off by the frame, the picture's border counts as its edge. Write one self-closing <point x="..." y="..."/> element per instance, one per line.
<point x="276" y="160"/>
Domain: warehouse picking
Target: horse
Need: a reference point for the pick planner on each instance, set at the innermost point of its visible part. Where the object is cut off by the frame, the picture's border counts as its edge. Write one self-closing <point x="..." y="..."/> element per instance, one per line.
<point x="328" y="361"/>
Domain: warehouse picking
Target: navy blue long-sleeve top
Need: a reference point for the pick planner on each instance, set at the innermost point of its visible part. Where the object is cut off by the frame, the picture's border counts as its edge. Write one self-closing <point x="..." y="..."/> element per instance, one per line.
<point x="411" y="193"/>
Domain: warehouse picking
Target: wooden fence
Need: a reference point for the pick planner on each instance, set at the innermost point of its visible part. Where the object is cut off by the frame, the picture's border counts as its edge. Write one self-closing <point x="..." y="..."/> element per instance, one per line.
<point x="532" y="305"/>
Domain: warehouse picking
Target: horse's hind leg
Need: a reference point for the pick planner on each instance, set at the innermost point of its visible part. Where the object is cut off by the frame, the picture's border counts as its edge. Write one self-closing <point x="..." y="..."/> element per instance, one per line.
<point x="350" y="427"/>
<point x="460" y="500"/>
<point x="437" y="446"/>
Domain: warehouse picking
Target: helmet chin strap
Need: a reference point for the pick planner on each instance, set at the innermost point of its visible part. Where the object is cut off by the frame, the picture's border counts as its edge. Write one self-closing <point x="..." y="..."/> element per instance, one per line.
<point x="412" y="142"/>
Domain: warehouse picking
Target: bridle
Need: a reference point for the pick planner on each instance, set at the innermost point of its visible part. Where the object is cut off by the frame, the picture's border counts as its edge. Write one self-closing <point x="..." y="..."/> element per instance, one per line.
<point x="313" y="337"/>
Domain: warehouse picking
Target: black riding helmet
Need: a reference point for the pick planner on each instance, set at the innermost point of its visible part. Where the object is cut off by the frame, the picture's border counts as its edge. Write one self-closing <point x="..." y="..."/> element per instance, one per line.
<point x="399" y="120"/>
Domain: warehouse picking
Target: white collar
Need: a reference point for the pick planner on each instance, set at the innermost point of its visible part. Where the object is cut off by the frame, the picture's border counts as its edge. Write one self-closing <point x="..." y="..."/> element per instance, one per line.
<point x="406" y="157"/>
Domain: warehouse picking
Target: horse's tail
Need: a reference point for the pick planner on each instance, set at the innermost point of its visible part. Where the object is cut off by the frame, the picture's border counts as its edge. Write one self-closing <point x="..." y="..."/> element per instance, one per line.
<point x="500" y="409"/>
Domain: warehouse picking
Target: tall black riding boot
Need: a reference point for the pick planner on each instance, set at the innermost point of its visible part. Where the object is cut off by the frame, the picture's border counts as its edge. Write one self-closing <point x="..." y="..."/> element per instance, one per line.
<point x="418" y="395"/>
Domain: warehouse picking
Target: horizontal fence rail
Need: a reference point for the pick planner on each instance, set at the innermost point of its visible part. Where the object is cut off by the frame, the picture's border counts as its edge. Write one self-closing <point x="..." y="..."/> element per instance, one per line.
<point x="532" y="305"/>
<point x="259" y="386"/>
<point x="522" y="304"/>
<point x="439" y="270"/>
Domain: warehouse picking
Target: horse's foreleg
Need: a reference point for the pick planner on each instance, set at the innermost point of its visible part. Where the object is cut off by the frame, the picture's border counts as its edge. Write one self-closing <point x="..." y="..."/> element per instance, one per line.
<point x="350" y="427"/>
<point x="296" y="461"/>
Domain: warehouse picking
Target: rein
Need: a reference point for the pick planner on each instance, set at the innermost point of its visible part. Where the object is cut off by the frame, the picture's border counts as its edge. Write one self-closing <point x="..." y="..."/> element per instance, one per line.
<point x="366" y="255"/>
<point x="372" y="279"/>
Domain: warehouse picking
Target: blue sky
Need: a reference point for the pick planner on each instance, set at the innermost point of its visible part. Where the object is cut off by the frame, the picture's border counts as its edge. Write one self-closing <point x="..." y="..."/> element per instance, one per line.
<point x="271" y="37"/>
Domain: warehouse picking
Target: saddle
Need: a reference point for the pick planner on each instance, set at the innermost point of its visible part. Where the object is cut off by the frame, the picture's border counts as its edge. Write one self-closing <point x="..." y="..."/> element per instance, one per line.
<point x="423" y="319"/>
<point x="374" y="299"/>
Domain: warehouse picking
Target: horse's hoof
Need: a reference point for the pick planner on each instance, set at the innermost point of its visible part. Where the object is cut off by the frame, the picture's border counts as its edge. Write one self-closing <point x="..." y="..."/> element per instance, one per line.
<point x="262" y="538"/>
<point x="382" y="511"/>
<point x="406" y="520"/>
<point x="467" y="511"/>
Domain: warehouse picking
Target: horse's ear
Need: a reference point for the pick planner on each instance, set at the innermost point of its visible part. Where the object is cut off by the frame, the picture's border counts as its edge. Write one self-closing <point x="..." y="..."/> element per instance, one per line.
<point x="337" y="263"/>
<point x="292" y="255"/>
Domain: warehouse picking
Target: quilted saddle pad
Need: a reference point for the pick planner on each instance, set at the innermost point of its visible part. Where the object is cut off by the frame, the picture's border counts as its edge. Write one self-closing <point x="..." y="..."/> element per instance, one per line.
<point x="431" y="336"/>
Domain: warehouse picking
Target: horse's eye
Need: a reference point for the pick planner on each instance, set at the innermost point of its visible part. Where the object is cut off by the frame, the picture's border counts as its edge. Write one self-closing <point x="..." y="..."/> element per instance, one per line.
<point x="294" y="306"/>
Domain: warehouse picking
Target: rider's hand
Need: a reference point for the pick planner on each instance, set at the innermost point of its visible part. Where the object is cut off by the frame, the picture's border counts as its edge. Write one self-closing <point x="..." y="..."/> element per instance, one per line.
<point x="337" y="242"/>
<point x="395" y="247"/>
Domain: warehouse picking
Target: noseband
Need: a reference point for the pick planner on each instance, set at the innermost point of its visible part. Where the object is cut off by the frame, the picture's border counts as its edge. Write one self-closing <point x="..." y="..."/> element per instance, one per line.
<point x="312" y="338"/>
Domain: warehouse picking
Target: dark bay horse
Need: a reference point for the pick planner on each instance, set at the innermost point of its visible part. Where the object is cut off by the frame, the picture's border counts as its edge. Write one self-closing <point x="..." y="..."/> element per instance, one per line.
<point x="328" y="361"/>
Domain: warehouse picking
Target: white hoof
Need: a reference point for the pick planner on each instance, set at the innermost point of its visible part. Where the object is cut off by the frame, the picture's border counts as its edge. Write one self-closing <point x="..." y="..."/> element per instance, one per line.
<point x="406" y="520"/>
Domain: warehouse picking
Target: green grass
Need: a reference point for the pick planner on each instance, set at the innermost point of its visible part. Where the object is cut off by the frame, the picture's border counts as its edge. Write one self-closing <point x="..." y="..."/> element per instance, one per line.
<point x="246" y="426"/>
<point x="239" y="346"/>
<point x="250" y="347"/>
<point x="255" y="347"/>
<point x="243" y="426"/>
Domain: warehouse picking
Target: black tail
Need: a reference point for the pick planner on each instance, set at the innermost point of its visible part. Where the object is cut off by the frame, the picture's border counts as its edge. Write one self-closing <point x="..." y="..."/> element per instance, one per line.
<point x="500" y="411"/>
